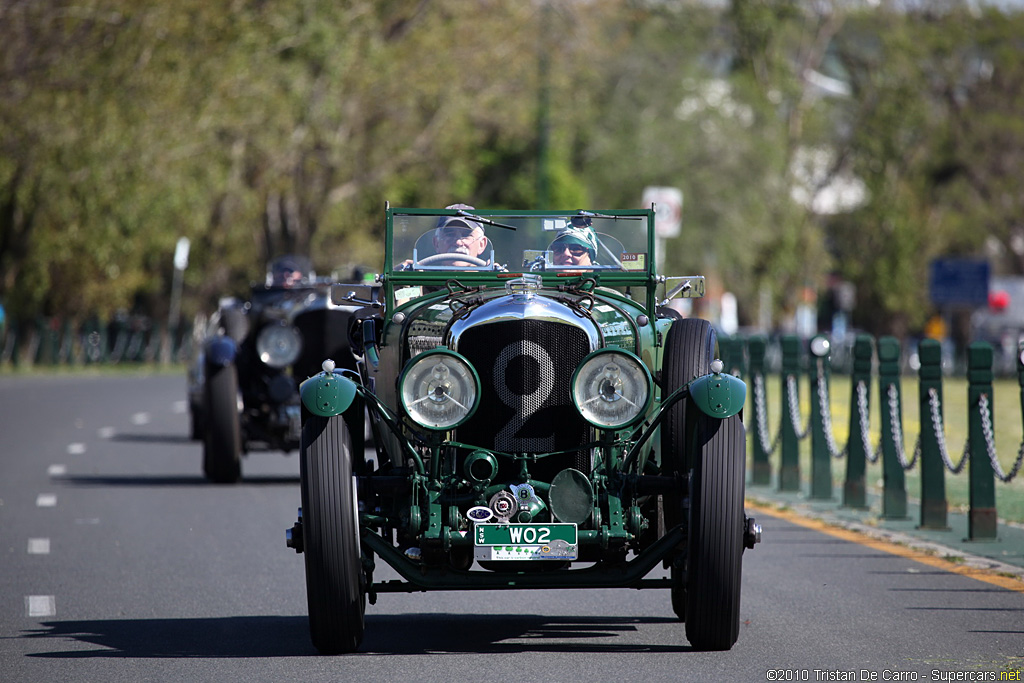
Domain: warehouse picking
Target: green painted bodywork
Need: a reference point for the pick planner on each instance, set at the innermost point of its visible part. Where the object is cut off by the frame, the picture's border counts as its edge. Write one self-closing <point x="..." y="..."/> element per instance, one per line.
<point x="327" y="394"/>
<point x="718" y="395"/>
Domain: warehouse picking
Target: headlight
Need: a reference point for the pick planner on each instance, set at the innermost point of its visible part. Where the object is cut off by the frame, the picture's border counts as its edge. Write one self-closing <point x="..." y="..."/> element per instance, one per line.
<point x="440" y="390"/>
<point x="611" y="388"/>
<point x="278" y="345"/>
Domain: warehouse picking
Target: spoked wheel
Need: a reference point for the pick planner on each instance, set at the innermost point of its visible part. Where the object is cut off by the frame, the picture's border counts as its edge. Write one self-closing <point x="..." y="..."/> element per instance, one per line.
<point x="335" y="584"/>
<point x="222" y="440"/>
<point x="716" y="528"/>
<point x="690" y="346"/>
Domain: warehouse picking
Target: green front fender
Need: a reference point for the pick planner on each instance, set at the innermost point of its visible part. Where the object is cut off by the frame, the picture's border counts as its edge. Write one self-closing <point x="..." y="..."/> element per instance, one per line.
<point x="327" y="394"/>
<point x="718" y="394"/>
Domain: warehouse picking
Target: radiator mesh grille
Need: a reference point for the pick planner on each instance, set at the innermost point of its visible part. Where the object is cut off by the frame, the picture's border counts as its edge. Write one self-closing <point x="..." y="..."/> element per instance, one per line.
<point x="525" y="369"/>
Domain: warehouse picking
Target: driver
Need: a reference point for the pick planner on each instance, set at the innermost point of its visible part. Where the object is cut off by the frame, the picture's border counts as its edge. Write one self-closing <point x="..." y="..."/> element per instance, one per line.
<point x="288" y="271"/>
<point x="575" y="244"/>
<point x="459" y="235"/>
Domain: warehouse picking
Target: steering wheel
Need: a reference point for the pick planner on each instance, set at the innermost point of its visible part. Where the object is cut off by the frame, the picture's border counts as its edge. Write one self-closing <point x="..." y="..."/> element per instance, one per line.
<point x="429" y="260"/>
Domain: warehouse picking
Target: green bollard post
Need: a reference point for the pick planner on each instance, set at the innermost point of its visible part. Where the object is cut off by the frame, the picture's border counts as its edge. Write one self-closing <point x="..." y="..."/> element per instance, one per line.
<point x="789" y="467"/>
<point x="731" y="350"/>
<point x="821" y="454"/>
<point x="854" y="488"/>
<point x="66" y="344"/>
<point x="981" y="518"/>
<point x="934" y="507"/>
<point x="761" y="470"/>
<point x="890" y="402"/>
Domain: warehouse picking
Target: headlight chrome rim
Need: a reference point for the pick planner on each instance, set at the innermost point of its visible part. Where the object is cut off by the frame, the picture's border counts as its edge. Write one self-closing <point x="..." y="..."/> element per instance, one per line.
<point x="439" y="389"/>
<point x="279" y="345"/>
<point x="612" y="389"/>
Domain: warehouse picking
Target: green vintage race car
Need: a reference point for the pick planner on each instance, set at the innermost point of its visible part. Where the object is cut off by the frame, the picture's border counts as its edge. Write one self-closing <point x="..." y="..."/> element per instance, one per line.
<point x="540" y="419"/>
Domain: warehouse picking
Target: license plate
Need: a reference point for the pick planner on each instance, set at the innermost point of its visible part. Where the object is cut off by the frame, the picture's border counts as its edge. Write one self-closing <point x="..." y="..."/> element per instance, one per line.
<point x="525" y="541"/>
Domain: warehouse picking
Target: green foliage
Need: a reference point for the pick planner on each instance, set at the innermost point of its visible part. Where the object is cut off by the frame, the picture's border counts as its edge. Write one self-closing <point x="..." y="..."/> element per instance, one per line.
<point x="259" y="128"/>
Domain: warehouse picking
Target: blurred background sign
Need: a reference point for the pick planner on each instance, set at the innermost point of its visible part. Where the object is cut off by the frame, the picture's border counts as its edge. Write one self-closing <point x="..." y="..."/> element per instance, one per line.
<point x="959" y="282"/>
<point x="668" y="209"/>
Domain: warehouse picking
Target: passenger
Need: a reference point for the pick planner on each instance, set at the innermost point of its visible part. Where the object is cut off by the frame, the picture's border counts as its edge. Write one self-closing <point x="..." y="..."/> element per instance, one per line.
<point x="576" y="244"/>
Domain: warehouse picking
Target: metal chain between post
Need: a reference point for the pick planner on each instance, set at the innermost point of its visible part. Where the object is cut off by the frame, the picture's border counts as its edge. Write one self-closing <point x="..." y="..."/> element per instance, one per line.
<point x="872" y="454"/>
<point x="825" y="406"/>
<point x="897" y="430"/>
<point x="940" y="435"/>
<point x="990" y="446"/>
<point x="762" y="417"/>
<point x="794" y="409"/>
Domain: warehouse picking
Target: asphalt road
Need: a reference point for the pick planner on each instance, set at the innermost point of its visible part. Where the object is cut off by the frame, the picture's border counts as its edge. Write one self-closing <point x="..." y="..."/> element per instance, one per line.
<point x="120" y="563"/>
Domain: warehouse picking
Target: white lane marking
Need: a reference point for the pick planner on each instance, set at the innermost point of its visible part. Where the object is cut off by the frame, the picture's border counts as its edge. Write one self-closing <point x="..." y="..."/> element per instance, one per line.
<point x="87" y="520"/>
<point x="140" y="418"/>
<point x="76" y="448"/>
<point x="40" y="606"/>
<point x="38" y="546"/>
<point x="106" y="432"/>
<point x="57" y="470"/>
<point x="180" y="406"/>
<point x="46" y="500"/>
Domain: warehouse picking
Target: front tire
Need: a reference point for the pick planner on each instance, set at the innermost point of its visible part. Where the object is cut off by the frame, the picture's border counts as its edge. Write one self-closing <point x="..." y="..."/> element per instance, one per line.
<point x="715" y="545"/>
<point x="222" y="442"/>
<point x="335" y="584"/>
<point x="690" y="346"/>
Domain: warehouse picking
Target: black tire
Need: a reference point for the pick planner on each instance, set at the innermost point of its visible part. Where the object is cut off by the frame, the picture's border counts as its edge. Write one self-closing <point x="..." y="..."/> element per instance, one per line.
<point x="335" y="584"/>
<point x="197" y="421"/>
<point x="690" y="346"/>
<point x="715" y="545"/>
<point x="222" y="442"/>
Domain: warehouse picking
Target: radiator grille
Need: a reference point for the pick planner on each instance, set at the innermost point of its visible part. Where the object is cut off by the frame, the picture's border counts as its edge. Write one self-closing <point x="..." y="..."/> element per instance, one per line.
<point x="525" y="369"/>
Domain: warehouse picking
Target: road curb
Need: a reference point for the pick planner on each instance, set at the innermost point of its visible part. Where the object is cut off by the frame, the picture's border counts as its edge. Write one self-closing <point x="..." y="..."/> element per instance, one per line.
<point x="953" y="556"/>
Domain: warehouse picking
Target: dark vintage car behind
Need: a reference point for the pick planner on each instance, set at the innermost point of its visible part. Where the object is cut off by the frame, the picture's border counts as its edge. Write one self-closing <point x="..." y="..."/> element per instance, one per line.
<point x="243" y="382"/>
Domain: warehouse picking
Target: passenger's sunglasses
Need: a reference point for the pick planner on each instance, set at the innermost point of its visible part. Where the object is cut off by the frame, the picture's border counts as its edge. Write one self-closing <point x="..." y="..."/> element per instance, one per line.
<point x="574" y="249"/>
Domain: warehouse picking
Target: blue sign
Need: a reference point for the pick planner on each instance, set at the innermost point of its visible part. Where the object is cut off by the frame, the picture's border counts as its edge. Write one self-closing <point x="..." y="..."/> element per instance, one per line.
<point x="959" y="282"/>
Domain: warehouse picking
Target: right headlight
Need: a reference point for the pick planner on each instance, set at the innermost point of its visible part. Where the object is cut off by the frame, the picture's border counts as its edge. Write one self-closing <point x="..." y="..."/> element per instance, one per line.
<point x="439" y="389"/>
<point x="612" y="388"/>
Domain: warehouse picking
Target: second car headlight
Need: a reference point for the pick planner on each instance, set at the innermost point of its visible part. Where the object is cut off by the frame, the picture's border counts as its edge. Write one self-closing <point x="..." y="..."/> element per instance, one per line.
<point x="439" y="389"/>
<point x="611" y="388"/>
<point x="278" y="345"/>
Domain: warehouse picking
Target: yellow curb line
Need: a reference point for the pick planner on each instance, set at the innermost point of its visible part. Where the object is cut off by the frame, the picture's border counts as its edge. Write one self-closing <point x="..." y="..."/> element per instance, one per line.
<point x="987" y="575"/>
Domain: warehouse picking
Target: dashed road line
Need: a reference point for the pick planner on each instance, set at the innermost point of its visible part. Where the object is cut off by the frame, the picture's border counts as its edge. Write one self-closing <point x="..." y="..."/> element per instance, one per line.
<point x="38" y="546"/>
<point x="40" y="606"/>
<point x="140" y="418"/>
<point x="57" y="470"/>
<point x="76" y="448"/>
<point x="46" y="500"/>
<point x="106" y="432"/>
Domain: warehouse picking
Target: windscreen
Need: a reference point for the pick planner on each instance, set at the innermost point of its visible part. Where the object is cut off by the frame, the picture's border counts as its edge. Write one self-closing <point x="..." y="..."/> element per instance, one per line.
<point x="514" y="243"/>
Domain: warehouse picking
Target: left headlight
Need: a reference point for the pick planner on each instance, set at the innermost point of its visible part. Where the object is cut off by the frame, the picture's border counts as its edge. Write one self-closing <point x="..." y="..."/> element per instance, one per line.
<point x="439" y="389"/>
<point x="278" y="345"/>
<point x="612" y="388"/>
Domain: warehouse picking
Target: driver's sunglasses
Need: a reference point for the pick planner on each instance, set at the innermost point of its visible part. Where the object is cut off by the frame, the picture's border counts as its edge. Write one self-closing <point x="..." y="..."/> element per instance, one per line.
<point x="574" y="249"/>
<point x="455" y="234"/>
